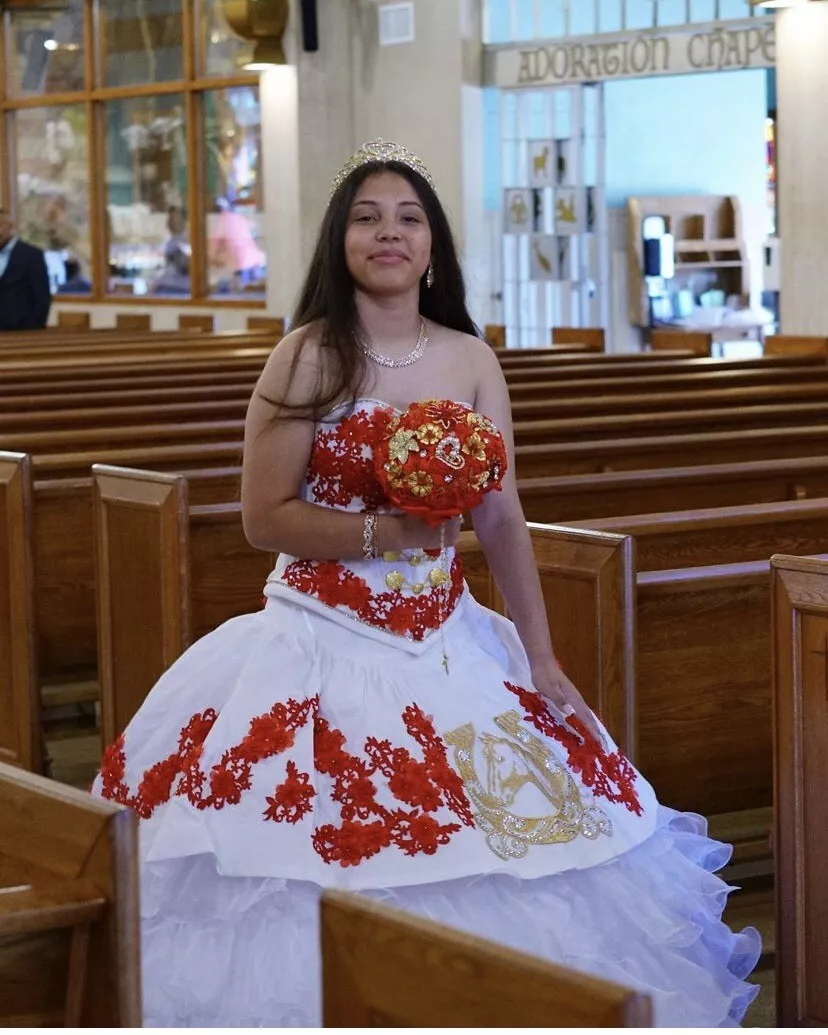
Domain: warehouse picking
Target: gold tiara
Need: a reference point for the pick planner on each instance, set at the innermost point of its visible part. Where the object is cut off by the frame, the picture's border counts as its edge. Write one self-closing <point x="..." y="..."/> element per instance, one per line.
<point x="381" y="151"/>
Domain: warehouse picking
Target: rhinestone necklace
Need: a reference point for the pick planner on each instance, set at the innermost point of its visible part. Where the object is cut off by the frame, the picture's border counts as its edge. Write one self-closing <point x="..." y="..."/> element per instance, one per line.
<point x="404" y="361"/>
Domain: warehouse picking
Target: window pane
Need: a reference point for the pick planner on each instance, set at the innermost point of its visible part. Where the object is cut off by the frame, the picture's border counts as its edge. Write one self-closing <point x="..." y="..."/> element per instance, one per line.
<point x="225" y="52"/>
<point x="142" y="41"/>
<point x="52" y="187"/>
<point x="233" y="188"/>
<point x="146" y="182"/>
<point x="46" y="49"/>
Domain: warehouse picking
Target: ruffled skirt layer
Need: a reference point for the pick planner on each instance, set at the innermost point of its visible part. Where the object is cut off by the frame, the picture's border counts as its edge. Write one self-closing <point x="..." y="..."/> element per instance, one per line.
<point x="244" y="951"/>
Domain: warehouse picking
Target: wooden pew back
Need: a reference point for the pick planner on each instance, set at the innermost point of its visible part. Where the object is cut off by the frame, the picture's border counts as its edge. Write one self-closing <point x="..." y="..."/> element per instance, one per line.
<point x="20" y="742"/>
<point x="382" y="967"/>
<point x="800" y="676"/>
<point x="722" y="535"/>
<point x="167" y="574"/>
<point x="698" y="342"/>
<point x="594" y="337"/>
<point x="69" y="944"/>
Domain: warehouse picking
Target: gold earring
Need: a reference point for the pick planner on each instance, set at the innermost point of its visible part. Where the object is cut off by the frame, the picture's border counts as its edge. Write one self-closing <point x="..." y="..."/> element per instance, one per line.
<point x="430" y="275"/>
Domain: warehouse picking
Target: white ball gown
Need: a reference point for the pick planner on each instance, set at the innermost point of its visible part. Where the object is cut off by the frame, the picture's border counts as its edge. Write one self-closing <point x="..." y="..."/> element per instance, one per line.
<point x="320" y="742"/>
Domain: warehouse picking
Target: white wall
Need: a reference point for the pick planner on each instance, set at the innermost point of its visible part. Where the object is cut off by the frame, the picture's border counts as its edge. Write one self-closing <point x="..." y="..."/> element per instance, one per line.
<point x="802" y="86"/>
<point x="697" y="134"/>
<point x="689" y="134"/>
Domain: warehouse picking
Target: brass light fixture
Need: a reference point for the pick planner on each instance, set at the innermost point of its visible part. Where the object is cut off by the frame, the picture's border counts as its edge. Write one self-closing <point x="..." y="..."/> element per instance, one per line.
<point x="263" y="23"/>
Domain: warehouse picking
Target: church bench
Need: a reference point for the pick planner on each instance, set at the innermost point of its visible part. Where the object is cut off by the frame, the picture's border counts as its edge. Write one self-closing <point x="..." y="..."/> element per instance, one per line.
<point x="631" y="365"/>
<point x="648" y="401"/>
<point x="22" y="379"/>
<point x="239" y="386"/>
<point x="129" y="388"/>
<point x="668" y="423"/>
<point x="113" y="383"/>
<point x="20" y="742"/>
<point x="376" y="961"/>
<point x="624" y="454"/>
<point x="515" y="357"/>
<point x="171" y="423"/>
<point x="613" y="493"/>
<point x="128" y="351"/>
<point x="595" y="337"/>
<point x="721" y="535"/>
<point x="184" y="404"/>
<point x="69" y="942"/>
<point x="799" y="595"/>
<point x="613" y="384"/>
<point x="18" y="377"/>
<point x="58" y="440"/>
<point x="102" y="342"/>
<point x="703" y="685"/>
<point x="699" y="342"/>
<point x="203" y="572"/>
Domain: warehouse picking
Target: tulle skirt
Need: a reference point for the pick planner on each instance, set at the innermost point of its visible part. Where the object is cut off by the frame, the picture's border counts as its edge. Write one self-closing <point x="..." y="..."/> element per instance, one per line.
<point x="244" y="951"/>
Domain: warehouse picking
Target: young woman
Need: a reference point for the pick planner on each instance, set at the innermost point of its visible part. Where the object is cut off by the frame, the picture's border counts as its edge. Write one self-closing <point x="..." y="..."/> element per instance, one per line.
<point x="374" y="727"/>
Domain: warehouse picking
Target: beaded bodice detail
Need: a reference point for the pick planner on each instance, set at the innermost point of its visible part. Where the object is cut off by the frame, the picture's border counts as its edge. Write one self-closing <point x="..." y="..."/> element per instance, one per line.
<point x="407" y="594"/>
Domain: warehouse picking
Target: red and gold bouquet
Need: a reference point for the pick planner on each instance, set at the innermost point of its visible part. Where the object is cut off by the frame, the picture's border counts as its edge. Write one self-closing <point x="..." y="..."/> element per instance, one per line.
<point x="439" y="458"/>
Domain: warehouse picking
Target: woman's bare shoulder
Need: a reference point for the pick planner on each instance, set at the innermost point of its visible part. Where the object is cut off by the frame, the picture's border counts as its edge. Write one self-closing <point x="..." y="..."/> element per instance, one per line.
<point x="295" y="367"/>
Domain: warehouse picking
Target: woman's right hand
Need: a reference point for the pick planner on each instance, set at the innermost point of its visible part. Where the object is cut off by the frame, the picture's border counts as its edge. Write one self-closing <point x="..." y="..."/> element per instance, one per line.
<point x="418" y="534"/>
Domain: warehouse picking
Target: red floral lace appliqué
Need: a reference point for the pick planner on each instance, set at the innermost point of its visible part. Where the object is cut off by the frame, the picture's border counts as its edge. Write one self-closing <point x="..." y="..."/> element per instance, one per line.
<point x="333" y="584"/>
<point x="181" y="773"/>
<point x="269" y="734"/>
<point x="157" y="782"/>
<point x="341" y="467"/>
<point x="292" y="798"/>
<point x="608" y="776"/>
<point x="368" y="826"/>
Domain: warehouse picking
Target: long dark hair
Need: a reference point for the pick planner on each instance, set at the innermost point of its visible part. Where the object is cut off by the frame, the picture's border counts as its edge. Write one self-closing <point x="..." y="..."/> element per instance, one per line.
<point x="327" y="299"/>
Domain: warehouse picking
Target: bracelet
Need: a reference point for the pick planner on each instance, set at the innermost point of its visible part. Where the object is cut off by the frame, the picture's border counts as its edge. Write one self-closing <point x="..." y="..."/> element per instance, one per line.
<point x="369" y="537"/>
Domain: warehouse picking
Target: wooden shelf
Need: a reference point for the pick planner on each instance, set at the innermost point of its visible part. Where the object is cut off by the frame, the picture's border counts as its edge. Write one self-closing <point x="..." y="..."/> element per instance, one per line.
<point x="708" y="235"/>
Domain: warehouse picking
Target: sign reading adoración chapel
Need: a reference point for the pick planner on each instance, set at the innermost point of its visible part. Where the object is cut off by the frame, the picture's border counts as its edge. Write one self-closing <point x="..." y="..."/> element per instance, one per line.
<point x="727" y="46"/>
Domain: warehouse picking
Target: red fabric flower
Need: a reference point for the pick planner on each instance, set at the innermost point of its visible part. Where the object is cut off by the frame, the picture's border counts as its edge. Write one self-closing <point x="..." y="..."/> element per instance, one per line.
<point x="292" y="798"/>
<point x="438" y="459"/>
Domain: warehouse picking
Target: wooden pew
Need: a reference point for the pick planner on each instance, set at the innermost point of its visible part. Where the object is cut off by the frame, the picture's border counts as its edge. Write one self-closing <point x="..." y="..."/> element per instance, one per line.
<point x="750" y="532"/>
<point x="191" y="420"/>
<point x="20" y="742"/>
<point x="46" y="391"/>
<point x="69" y="320"/>
<point x="799" y="593"/>
<point x="196" y="322"/>
<point x="795" y="345"/>
<point x="615" y="493"/>
<point x="204" y="572"/>
<point x="626" y="454"/>
<point x="274" y="324"/>
<point x="703" y="687"/>
<point x="594" y="337"/>
<point x="698" y="342"/>
<point x="770" y="402"/>
<point x="377" y="961"/>
<point x="133" y="321"/>
<point x="699" y="379"/>
<point x="69" y="944"/>
<point x="582" y="367"/>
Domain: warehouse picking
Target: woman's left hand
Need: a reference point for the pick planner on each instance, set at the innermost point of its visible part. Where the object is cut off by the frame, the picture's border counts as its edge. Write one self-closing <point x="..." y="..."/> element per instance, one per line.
<point x="551" y="681"/>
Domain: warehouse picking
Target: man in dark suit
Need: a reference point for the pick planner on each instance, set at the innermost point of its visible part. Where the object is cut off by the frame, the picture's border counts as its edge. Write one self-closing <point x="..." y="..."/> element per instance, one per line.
<point x="25" y="297"/>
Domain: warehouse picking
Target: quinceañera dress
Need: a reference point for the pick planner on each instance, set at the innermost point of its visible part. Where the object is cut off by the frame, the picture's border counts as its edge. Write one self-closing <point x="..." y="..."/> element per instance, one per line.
<point x="323" y="741"/>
